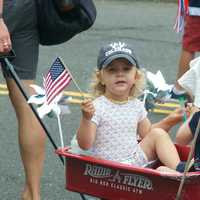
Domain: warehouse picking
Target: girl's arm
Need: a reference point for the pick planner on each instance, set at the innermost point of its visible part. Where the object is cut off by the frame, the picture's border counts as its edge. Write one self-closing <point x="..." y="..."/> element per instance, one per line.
<point x="144" y="127"/>
<point x="87" y="130"/>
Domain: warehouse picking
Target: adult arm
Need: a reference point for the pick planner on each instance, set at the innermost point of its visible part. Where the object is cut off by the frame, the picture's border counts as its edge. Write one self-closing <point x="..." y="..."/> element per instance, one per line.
<point x="5" y="42"/>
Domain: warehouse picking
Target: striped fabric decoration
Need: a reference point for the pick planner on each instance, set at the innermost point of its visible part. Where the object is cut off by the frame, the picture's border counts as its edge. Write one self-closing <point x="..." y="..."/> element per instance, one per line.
<point x="56" y="80"/>
<point x="182" y="11"/>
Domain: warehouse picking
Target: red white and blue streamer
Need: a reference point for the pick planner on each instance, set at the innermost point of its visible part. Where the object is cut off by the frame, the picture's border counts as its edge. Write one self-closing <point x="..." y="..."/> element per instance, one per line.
<point x="182" y="11"/>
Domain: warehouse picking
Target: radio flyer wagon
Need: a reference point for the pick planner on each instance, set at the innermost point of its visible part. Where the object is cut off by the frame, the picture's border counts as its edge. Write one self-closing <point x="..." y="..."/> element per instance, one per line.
<point x="110" y="180"/>
<point x="115" y="181"/>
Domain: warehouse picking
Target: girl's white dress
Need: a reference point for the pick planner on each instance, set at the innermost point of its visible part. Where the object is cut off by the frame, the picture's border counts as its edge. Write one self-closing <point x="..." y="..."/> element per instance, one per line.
<point x="116" y="136"/>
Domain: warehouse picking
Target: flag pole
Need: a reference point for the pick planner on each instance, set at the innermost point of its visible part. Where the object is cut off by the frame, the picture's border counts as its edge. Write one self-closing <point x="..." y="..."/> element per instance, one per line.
<point x="15" y="77"/>
<point x="145" y="96"/>
<point x="73" y="79"/>
<point x="60" y="131"/>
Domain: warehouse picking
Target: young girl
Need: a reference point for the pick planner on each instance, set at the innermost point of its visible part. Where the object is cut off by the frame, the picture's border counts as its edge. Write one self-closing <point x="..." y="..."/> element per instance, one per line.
<point x="110" y="124"/>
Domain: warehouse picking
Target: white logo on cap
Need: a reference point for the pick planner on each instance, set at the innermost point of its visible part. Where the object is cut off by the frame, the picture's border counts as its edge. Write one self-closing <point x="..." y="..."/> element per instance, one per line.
<point x="118" y="47"/>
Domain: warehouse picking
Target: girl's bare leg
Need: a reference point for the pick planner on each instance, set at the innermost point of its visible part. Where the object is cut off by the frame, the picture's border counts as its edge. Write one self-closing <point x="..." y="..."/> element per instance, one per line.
<point x="158" y="144"/>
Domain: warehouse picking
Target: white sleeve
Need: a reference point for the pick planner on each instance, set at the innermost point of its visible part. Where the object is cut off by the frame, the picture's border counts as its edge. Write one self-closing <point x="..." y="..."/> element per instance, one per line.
<point x="188" y="81"/>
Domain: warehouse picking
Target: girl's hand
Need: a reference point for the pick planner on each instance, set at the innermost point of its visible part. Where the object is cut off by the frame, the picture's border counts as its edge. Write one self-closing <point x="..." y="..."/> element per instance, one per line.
<point x="88" y="109"/>
<point x="5" y="42"/>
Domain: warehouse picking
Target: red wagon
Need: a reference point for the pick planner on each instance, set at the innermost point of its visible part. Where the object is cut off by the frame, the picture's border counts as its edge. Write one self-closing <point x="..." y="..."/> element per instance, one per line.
<point x="115" y="181"/>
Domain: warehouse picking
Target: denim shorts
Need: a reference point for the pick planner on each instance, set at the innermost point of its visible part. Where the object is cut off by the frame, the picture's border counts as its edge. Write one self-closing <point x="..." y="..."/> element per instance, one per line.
<point x="21" y="19"/>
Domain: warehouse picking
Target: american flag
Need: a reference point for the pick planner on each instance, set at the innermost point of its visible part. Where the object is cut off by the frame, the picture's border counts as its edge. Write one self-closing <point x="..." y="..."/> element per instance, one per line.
<point x="56" y="80"/>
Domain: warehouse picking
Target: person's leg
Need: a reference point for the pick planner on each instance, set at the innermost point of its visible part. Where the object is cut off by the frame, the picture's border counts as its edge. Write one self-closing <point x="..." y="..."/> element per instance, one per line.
<point x="185" y="58"/>
<point x="164" y="169"/>
<point x="31" y="141"/>
<point x="158" y="144"/>
<point x="193" y="125"/>
<point x="184" y="135"/>
<point x="25" y="43"/>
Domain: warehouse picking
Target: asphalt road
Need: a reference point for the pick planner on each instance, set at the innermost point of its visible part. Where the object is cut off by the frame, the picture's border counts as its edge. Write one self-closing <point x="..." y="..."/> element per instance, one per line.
<point x="147" y="26"/>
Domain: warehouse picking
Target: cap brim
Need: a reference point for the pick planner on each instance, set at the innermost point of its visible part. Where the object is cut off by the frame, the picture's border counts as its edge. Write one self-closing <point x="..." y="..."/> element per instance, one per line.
<point x="111" y="58"/>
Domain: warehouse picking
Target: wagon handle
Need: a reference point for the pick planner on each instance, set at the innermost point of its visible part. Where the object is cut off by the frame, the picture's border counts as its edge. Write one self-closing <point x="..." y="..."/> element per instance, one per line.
<point x="9" y="67"/>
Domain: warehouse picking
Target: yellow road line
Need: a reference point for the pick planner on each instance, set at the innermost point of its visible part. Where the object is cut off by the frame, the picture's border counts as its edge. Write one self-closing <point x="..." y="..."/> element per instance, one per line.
<point x="3" y="86"/>
<point x="75" y="101"/>
<point x="77" y="94"/>
<point x="3" y="92"/>
<point x="67" y="93"/>
<point x="161" y="111"/>
<point x="170" y="105"/>
<point x="161" y="108"/>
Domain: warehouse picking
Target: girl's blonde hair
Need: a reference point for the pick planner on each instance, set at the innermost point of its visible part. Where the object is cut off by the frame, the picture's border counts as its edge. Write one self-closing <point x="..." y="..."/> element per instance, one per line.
<point x="98" y="89"/>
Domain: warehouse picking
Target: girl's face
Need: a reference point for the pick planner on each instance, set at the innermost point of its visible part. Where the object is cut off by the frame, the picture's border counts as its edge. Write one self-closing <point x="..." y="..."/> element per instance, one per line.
<point x="118" y="77"/>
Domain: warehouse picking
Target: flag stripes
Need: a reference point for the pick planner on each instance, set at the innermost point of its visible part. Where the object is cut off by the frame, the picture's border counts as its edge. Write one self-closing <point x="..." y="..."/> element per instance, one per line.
<point x="56" y="80"/>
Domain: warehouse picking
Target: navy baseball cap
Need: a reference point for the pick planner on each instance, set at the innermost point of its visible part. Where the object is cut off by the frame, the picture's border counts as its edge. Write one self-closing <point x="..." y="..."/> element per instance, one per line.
<point x="115" y="50"/>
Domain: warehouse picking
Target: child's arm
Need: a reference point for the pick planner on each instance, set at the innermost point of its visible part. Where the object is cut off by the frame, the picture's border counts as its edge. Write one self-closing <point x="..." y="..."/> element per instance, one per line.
<point x="171" y="120"/>
<point x="175" y="117"/>
<point x="144" y="127"/>
<point x="87" y="130"/>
